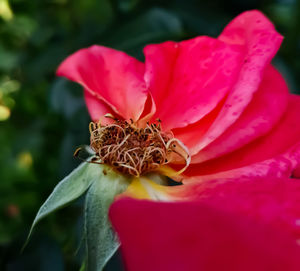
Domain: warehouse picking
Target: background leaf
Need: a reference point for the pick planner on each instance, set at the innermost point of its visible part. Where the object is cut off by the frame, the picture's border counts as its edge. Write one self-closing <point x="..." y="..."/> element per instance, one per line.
<point x="155" y="24"/>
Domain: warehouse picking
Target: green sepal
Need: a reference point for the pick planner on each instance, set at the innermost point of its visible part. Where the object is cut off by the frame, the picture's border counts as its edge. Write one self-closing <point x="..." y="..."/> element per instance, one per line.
<point x="101" y="241"/>
<point x="102" y="184"/>
<point x="67" y="190"/>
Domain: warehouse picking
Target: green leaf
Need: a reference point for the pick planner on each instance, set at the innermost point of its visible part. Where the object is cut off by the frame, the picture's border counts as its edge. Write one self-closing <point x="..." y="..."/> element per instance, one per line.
<point x="101" y="241"/>
<point x="69" y="189"/>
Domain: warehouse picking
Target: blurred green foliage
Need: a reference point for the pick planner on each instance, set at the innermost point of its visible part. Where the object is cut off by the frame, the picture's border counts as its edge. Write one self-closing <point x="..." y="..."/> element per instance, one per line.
<point x="43" y="118"/>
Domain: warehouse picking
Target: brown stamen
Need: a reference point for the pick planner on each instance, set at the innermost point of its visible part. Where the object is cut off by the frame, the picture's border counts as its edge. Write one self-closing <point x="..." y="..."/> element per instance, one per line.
<point x="132" y="150"/>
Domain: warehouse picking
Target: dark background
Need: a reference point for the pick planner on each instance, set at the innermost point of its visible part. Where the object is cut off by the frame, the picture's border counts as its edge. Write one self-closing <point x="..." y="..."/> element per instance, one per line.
<point x="43" y="118"/>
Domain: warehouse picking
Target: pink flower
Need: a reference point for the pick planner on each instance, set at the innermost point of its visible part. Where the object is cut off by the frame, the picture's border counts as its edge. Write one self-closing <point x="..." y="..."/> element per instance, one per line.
<point x="231" y="108"/>
<point x="221" y="97"/>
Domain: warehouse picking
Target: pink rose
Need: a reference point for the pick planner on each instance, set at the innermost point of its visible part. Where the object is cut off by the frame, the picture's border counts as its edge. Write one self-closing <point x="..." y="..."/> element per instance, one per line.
<point x="231" y="108"/>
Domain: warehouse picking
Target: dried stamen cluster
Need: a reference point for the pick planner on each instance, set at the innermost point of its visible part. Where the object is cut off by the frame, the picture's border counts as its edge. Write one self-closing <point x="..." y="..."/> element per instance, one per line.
<point x="133" y="150"/>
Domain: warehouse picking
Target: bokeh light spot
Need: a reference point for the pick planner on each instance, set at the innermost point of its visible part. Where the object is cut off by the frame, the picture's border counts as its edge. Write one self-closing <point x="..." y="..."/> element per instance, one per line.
<point x="5" y="10"/>
<point x="25" y="160"/>
<point x="4" y="113"/>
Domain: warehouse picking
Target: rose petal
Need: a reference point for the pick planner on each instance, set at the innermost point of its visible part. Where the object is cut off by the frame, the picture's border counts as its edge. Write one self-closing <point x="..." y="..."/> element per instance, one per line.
<point x="110" y="76"/>
<point x="273" y="201"/>
<point x="260" y="42"/>
<point x="191" y="135"/>
<point x="275" y="152"/>
<point x="148" y="112"/>
<point x="193" y="236"/>
<point x="97" y="108"/>
<point x="189" y="78"/>
<point x="264" y="111"/>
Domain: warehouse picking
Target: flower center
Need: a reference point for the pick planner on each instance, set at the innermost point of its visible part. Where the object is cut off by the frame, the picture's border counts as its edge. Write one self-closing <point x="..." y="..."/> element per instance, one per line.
<point x="132" y="150"/>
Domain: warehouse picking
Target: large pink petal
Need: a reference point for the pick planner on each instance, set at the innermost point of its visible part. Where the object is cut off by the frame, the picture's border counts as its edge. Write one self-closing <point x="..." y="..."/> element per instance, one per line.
<point x="189" y="78"/>
<point x="260" y="42"/>
<point x="263" y="112"/>
<point x="109" y="76"/>
<point x="274" y="201"/>
<point x="277" y="152"/>
<point x="194" y="236"/>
